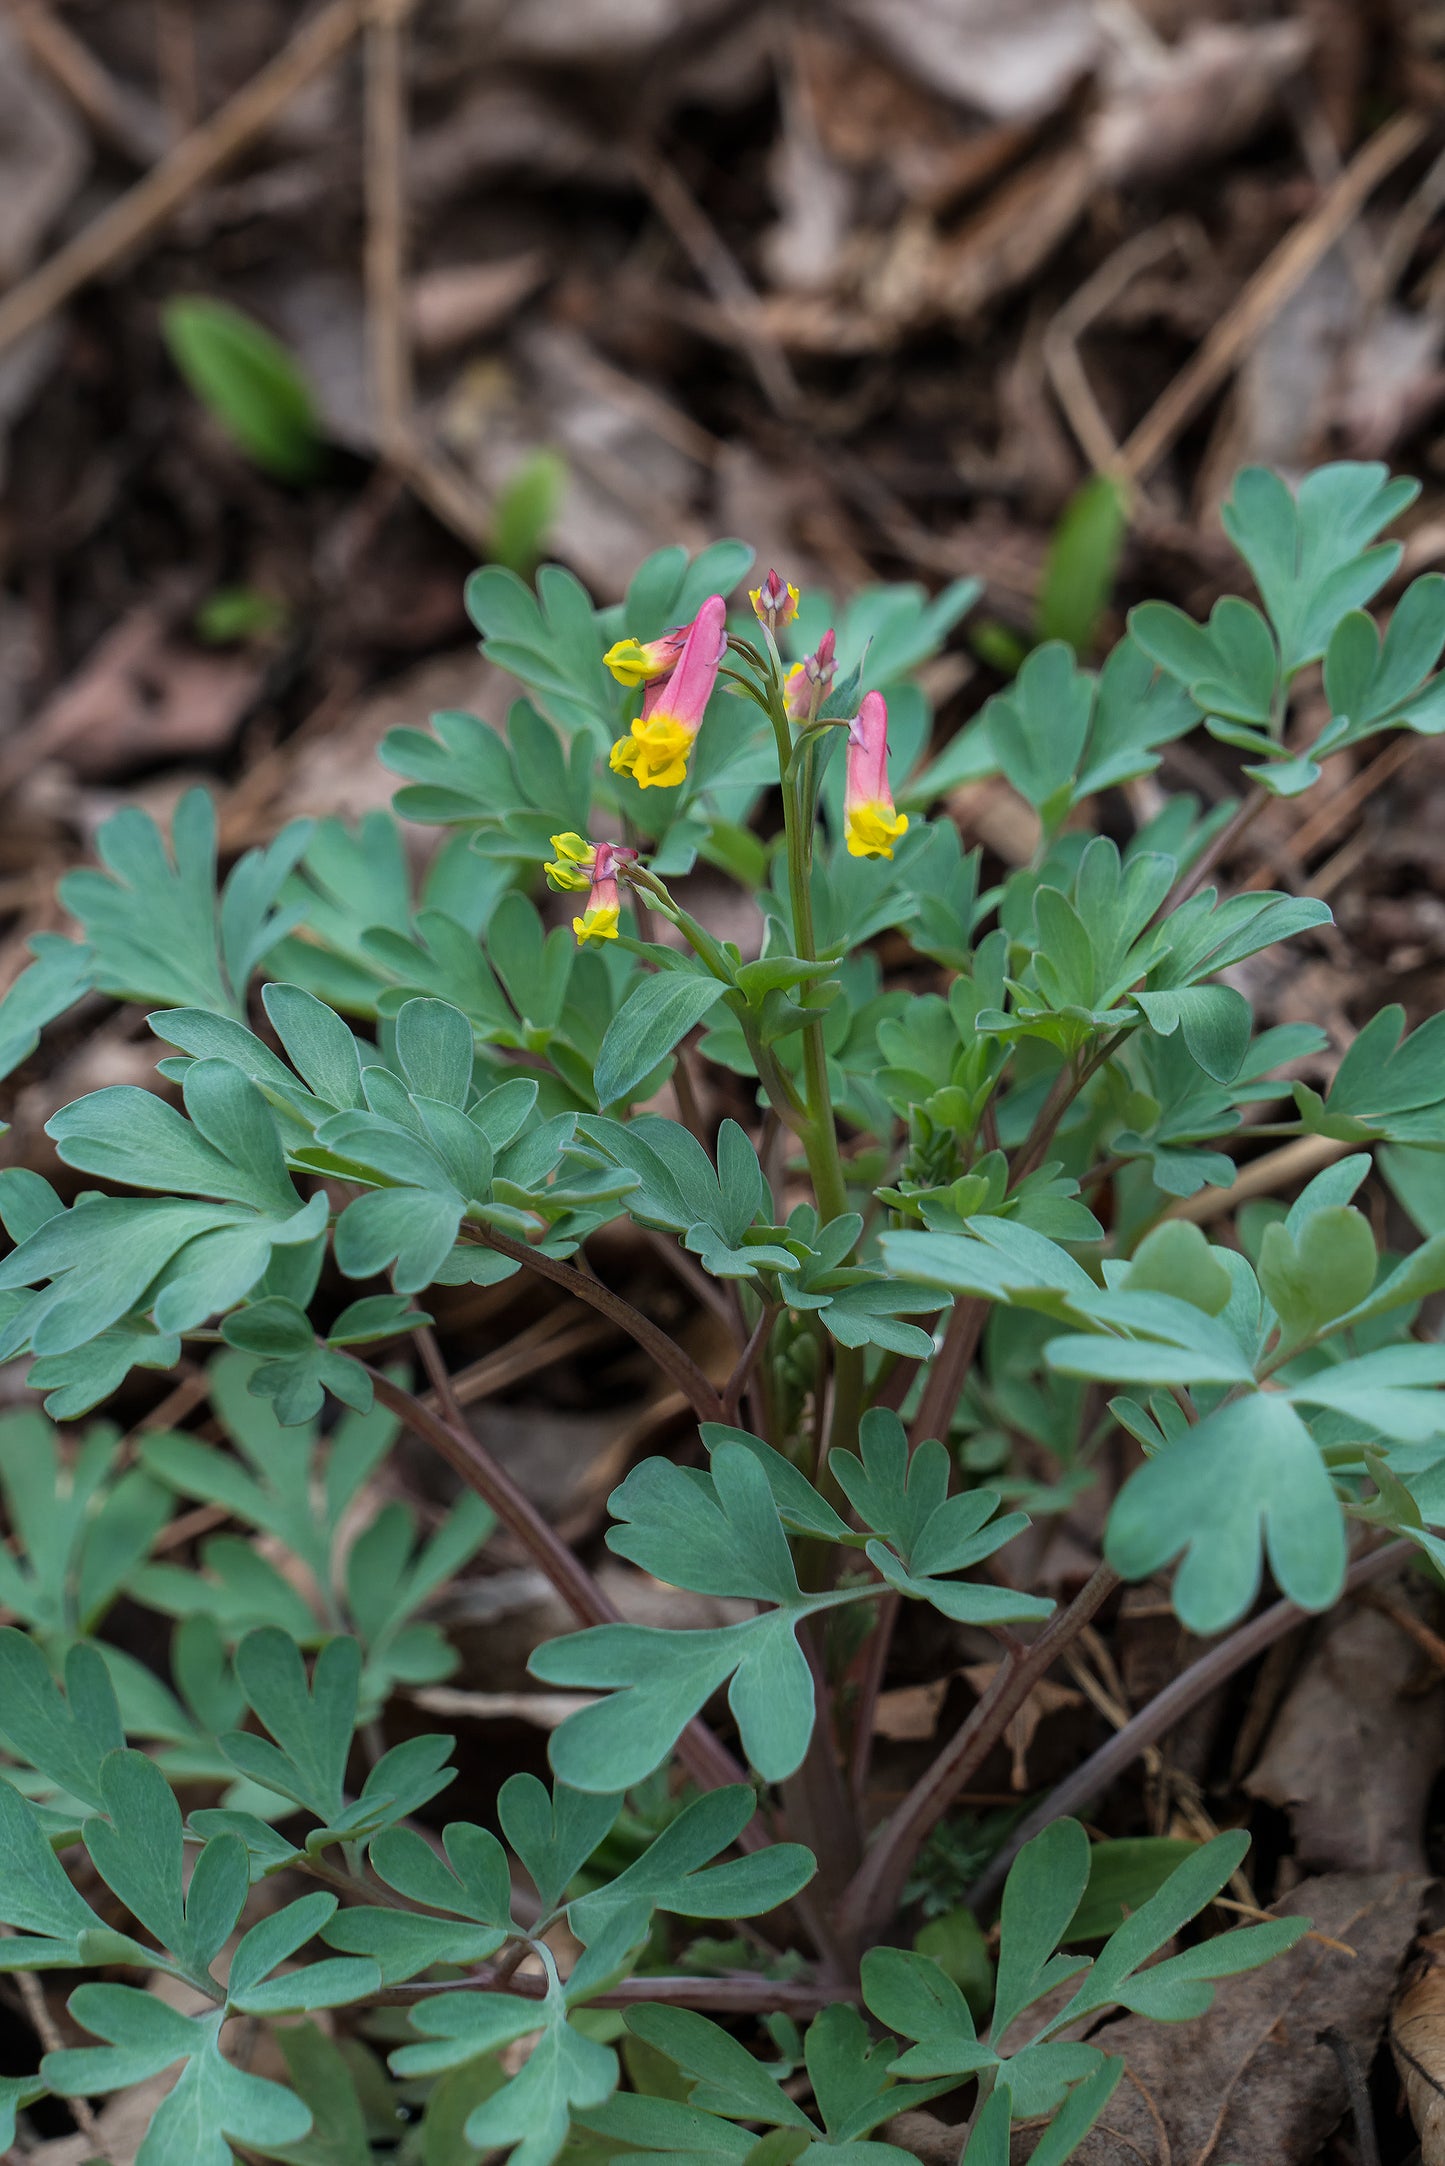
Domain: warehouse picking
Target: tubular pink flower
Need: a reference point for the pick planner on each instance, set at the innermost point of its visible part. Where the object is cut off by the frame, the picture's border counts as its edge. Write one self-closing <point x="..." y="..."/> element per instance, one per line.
<point x="599" y="919"/>
<point x="809" y="682"/>
<point x="870" y="824"/>
<point x="656" y="751"/>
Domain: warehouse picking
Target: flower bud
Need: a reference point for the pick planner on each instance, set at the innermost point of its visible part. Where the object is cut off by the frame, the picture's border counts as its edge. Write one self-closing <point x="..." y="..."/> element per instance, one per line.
<point x="775" y="602"/>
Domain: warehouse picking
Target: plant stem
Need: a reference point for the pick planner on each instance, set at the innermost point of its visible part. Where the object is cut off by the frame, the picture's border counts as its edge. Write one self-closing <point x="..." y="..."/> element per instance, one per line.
<point x="873" y="1896"/>
<point x="705" y="1756"/>
<point x="740" y="1993"/>
<point x="702" y="1396"/>
<point x="747" y="1361"/>
<point x="1079" y="1790"/>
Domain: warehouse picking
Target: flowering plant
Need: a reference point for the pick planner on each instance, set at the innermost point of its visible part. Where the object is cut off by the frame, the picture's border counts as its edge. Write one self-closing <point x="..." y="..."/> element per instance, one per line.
<point x="948" y="1222"/>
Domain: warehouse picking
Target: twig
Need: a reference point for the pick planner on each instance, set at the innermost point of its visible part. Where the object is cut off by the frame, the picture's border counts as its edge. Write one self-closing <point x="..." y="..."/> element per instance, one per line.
<point x="719" y="269"/>
<point x="1262" y="1176"/>
<point x="874" y="1893"/>
<point x="1060" y="346"/>
<point x="121" y="118"/>
<point x="1278" y="277"/>
<point x="196" y="159"/>
<point x="1367" y="2143"/>
<point x="1079" y="1790"/>
<point x="42" y="2022"/>
<point x="706" y="1758"/>
<point x="1190" y="881"/>
<point x="386" y="132"/>
<point x="701" y="1395"/>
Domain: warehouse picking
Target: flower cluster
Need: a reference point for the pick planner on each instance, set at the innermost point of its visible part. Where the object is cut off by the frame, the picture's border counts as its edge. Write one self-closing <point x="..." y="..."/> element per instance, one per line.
<point x="677" y="674"/>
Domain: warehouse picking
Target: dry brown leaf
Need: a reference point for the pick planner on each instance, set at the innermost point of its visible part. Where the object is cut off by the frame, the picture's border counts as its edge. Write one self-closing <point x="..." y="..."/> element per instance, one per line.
<point x="1355" y="1749"/>
<point x="1046" y="1699"/>
<point x="910" y="1712"/>
<point x="1169" y="106"/>
<point x="1417" y="2041"/>
<point x="1002" y="57"/>
<point x="141" y="695"/>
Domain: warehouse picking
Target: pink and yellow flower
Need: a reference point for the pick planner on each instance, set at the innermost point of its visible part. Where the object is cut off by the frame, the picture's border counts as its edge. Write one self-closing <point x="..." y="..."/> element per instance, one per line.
<point x="642" y="661"/>
<point x="656" y="751"/>
<point x="775" y="602"/>
<point x="581" y="864"/>
<point x="809" y="682"/>
<point x="871" y="826"/>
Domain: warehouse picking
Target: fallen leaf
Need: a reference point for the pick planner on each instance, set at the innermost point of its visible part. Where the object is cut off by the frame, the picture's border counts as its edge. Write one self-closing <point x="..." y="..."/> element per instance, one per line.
<point x="911" y="1711"/>
<point x="460" y="302"/>
<point x="43" y="158"/>
<point x="1168" y="107"/>
<point x="1354" y="1750"/>
<point x="1417" y="2041"/>
<point x="1045" y="1699"/>
<point x="1002" y="57"/>
<point x="141" y="695"/>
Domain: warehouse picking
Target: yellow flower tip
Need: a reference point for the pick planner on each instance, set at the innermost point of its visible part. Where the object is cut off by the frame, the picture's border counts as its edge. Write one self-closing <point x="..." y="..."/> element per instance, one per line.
<point x="632" y="663"/>
<point x="572" y="871"/>
<point x="872" y="829"/>
<point x="596" y="925"/>
<point x="656" y="753"/>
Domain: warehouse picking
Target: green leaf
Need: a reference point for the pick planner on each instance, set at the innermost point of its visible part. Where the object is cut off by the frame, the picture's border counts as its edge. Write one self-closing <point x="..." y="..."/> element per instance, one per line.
<point x="1229" y="668"/>
<point x="1310" y="552"/>
<point x="728" y="2081"/>
<point x="1038" y="728"/>
<point x="1246" y="1479"/>
<point x="634" y="2121"/>
<point x="1176" y="1258"/>
<point x="1123" y="1875"/>
<point x="249" y="382"/>
<point x="658" y="1680"/>
<point x="156" y="929"/>
<point x="525" y="508"/>
<point x="914" y="1996"/>
<point x="554" y="1835"/>
<point x="1215" y="1021"/>
<point x="66" y="1739"/>
<point x="312" y="1726"/>
<point x="1042" y="1893"/>
<point x="213" y="2099"/>
<point x="16" y="2092"/>
<point x="564" y="2071"/>
<point x="988" y="2141"/>
<point x="721" y="1536"/>
<point x="55" y="980"/>
<point x="472" y="1881"/>
<point x="139" y="1853"/>
<point x="49" y="1914"/>
<point x="1083" y="558"/>
<point x="1178" y="1987"/>
<point x="403" y="1943"/>
<point x="654" y="1016"/>
<point x="676" y="1873"/>
<point x="1078" y="2114"/>
<point x="1311" y="1279"/>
